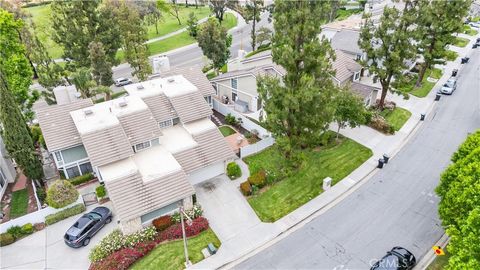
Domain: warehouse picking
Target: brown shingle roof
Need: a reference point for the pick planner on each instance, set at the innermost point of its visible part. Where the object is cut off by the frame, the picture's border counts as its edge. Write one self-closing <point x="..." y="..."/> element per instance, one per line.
<point x="140" y="126"/>
<point x="57" y="126"/>
<point x="191" y="106"/>
<point x="107" y="145"/>
<point x="363" y="90"/>
<point x="344" y="66"/>
<point x="161" y="108"/>
<point x="195" y="76"/>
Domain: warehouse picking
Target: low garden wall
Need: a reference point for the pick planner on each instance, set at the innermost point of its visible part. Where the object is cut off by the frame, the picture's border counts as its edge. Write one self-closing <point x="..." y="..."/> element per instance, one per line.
<point x="36" y="217"/>
<point x="251" y="149"/>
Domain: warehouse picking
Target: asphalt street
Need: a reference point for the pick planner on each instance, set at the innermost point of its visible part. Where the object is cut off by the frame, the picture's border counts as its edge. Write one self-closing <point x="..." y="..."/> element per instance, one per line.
<point x="396" y="207"/>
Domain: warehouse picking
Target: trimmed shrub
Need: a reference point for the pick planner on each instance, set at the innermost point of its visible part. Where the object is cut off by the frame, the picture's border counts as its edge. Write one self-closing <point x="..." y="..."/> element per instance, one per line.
<point x="65" y="213"/>
<point x="61" y="193"/>
<point x="36" y="132"/>
<point x="81" y="179"/>
<point x="15" y="231"/>
<point x="27" y="229"/>
<point x="39" y="226"/>
<point x="246" y="188"/>
<point x="258" y="179"/>
<point x="162" y="223"/>
<point x="116" y="240"/>
<point x="231" y="120"/>
<point x="101" y="191"/>
<point x="379" y="123"/>
<point x="233" y="170"/>
<point x="6" y="239"/>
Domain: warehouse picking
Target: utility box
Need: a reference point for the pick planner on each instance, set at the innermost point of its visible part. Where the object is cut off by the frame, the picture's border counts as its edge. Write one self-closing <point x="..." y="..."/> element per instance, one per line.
<point x="327" y="183"/>
<point x="160" y="64"/>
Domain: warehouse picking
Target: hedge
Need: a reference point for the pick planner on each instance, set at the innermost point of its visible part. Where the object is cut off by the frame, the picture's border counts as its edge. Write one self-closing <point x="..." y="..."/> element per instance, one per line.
<point x="258" y="179"/>
<point x="101" y="191"/>
<point x="162" y="223"/>
<point x="246" y="188"/>
<point x="6" y="239"/>
<point x="63" y="214"/>
<point x="81" y="179"/>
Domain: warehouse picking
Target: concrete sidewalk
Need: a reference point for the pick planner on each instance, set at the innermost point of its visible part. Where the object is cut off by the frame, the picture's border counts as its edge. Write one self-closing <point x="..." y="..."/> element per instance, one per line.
<point x="251" y="240"/>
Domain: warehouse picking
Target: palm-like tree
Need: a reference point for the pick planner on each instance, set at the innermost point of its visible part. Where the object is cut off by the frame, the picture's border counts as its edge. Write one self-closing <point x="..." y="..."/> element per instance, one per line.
<point x="84" y="82"/>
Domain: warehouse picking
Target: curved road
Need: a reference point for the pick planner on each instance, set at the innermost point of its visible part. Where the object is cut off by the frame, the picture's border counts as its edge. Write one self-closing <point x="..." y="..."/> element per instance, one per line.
<point x="396" y="207"/>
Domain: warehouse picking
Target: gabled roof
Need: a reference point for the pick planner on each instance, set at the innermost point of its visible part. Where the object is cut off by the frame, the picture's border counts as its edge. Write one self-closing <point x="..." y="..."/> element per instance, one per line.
<point x="57" y="126"/>
<point x="254" y="71"/>
<point x="347" y="41"/>
<point x="195" y="76"/>
<point x="190" y="107"/>
<point x="140" y="126"/>
<point x="363" y="90"/>
<point x="344" y="66"/>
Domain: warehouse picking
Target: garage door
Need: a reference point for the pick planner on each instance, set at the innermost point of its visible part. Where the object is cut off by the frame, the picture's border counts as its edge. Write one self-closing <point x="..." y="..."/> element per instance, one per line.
<point x="206" y="173"/>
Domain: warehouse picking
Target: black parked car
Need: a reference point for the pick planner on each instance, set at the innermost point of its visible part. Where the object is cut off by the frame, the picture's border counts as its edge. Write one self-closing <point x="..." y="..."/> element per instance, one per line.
<point x="396" y="259"/>
<point x="87" y="226"/>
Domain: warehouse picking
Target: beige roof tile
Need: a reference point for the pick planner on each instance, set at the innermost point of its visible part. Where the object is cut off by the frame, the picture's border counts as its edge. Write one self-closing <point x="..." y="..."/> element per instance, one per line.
<point x="191" y="106"/>
<point x="161" y="108"/>
<point x="108" y="145"/>
<point x="140" y="126"/>
<point x="57" y="126"/>
<point x="195" y="76"/>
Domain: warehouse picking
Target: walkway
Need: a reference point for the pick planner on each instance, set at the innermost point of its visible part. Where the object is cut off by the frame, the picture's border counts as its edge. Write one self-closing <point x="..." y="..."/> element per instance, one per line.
<point x="237" y="246"/>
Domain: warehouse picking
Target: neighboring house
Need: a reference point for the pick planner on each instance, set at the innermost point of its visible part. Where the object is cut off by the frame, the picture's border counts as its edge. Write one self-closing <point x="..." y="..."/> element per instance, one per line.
<point x="346" y="69"/>
<point x="7" y="169"/>
<point x="66" y="94"/>
<point x="347" y="42"/>
<point x="238" y="87"/>
<point x="150" y="147"/>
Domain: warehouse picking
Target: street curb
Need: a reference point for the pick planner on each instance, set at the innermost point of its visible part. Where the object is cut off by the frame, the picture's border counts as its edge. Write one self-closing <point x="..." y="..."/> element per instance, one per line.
<point x="428" y="258"/>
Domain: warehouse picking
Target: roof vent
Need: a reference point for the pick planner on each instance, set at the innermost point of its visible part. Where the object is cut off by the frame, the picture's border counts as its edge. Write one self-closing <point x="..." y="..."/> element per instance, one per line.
<point x="88" y="112"/>
<point x="171" y="80"/>
<point x="122" y="104"/>
<point x="139" y="87"/>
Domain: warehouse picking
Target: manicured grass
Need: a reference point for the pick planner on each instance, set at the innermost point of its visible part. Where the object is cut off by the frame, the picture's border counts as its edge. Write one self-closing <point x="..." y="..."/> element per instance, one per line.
<point x="171" y="256"/>
<point x="469" y="31"/>
<point x="170" y="24"/>
<point x="435" y="73"/>
<point x="342" y="14"/>
<point x="226" y="131"/>
<point x="451" y="56"/>
<point x="460" y="42"/>
<point x="440" y="262"/>
<point x="475" y="19"/>
<point x="19" y="203"/>
<point x="424" y="89"/>
<point x="426" y="86"/>
<point x="396" y="118"/>
<point x="335" y="161"/>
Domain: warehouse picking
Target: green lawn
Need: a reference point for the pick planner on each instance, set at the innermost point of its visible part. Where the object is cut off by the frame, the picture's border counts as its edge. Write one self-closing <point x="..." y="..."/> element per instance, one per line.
<point x="179" y="40"/>
<point x="335" y="161"/>
<point x="170" y="24"/>
<point x="475" y="19"/>
<point x="396" y="118"/>
<point x="426" y="86"/>
<point x="435" y="73"/>
<point x="19" y="203"/>
<point x="170" y="255"/>
<point x="226" y="131"/>
<point x="461" y="42"/>
<point x="342" y="14"/>
<point x="469" y="31"/>
<point x="440" y="262"/>
<point x="451" y="56"/>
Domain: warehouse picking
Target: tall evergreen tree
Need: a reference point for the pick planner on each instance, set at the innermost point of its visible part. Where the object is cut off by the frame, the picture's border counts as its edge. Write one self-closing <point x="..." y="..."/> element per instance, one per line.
<point x="434" y="29"/>
<point x="299" y="110"/>
<point x="77" y="23"/>
<point x="134" y="36"/>
<point x="215" y="42"/>
<point x="251" y="13"/>
<point x="389" y="45"/>
<point x="101" y="67"/>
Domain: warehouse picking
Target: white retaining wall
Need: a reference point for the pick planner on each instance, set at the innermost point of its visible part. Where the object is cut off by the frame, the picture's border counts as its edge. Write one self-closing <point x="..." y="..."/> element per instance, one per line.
<point x="251" y="149"/>
<point x="35" y="217"/>
<point x="246" y="123"/>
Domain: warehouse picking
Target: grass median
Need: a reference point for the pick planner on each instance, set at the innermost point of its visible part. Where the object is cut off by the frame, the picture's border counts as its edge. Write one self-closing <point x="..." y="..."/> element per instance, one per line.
<point x="396" y="118"/>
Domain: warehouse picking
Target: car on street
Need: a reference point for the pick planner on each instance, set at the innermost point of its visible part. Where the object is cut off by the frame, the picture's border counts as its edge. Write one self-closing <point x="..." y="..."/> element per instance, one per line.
<point x="122" y="81"/>
<point x="449" y="87"/>
<point x="397" y="258"/>
<point x="80" y="233"/>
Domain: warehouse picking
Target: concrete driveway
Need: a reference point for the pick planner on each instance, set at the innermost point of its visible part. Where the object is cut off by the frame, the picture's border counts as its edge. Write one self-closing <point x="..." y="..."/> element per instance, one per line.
<point x="46" y="249"/>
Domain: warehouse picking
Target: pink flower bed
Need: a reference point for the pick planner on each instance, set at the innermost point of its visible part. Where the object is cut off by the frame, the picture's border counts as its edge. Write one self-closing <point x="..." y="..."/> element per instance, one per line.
<point x="124" y="258"/>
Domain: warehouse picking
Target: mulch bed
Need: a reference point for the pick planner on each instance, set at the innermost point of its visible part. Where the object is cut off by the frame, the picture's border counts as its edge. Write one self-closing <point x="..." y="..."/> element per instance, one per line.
<point x="221" y="117"/>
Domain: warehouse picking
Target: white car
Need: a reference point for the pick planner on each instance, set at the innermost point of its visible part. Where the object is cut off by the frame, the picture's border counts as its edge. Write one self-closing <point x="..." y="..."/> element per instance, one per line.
<point x="449" y="87"/>
<point x="122" y="81"/>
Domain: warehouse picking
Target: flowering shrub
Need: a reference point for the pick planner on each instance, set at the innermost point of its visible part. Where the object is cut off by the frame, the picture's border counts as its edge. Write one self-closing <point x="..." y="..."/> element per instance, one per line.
<point x="198" y="225"/>
<point x="117" y="240"/>
<point x="162" y="223"/>
<point x="193" y="213"/>
<point x="61" y="193"/>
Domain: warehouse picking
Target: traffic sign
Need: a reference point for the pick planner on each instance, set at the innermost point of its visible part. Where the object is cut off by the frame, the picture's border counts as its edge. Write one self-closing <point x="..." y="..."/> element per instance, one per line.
<point x="438" y="250"/>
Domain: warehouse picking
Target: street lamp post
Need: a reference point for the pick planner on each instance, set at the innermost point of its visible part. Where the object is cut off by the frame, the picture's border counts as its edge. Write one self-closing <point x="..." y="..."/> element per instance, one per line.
<point x="185" y="248"/>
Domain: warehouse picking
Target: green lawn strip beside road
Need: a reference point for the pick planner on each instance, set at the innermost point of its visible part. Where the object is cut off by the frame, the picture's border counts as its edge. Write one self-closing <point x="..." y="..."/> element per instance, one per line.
<point x="467" y="29"/>
<point x="179" y="40"/>
<point x="170" y="256"/>
<point x="461" y="42"/>
<point x="440" y="262"/>
<point x="451" y="56"/>
<point x="396" y="118"/>
<point x="336" y="160"/>
<point x="426" y="86"/>
<point x="342" y="14"/>
<point x="19" y="203"/>
<point x="226" y="131"/>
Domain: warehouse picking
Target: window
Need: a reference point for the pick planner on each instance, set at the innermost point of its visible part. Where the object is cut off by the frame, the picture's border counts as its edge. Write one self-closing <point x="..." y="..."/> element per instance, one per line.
<point x="234" y="83"/>
<point x="58" y="157"/>
<point x="356" y="76"/>
<point x="2" y="178"/>
<point x="359" y="57"/>
<point x="165" y="124"/>
<point x="208" y="99"/>
<point x="176" y="121"/>
<point x="234" y="96"/>
<point x="160" y="212"/>
<point x="86" y="168"/>
<point x="142" y="146"/>
<point x="155" y="142"/>
<point x="73" y="172"/>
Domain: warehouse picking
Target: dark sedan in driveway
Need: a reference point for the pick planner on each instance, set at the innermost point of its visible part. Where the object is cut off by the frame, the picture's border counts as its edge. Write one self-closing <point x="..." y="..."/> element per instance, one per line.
<point x="396" y="259"/>
<point x="87" y="226"/>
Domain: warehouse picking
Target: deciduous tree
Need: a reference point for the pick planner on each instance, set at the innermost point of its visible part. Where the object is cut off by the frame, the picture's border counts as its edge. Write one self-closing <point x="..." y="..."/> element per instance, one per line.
<point x="389" y="45"/>
<point x="219" y="7"/>
<point x="171" y="8"/>
<point x="84" y="82"/>
<point x="299" y="110"/>
<point x="192" y="25"/>
<point x="215" y="42"/>
<point x="264" y="36"/>
<point x="349" y="109"/>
